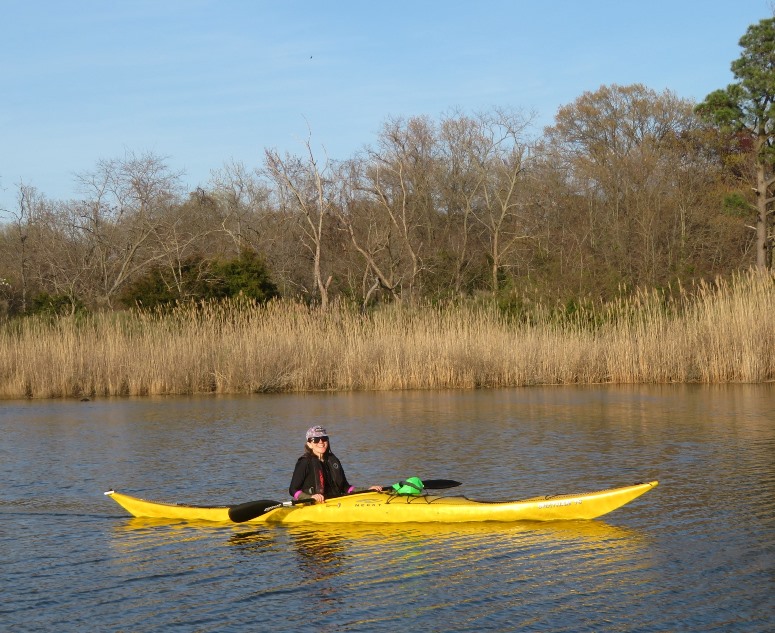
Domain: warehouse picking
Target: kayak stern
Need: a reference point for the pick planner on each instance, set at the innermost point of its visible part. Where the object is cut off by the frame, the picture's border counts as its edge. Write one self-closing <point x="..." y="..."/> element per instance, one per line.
<point x="156" y="510"/>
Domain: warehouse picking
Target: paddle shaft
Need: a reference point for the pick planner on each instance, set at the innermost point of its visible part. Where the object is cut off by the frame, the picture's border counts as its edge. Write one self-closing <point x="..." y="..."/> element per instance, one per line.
<point x="252" y="509"/>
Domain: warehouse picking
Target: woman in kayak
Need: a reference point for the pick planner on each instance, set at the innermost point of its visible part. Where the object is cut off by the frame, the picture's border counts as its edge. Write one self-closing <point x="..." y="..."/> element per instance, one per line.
<point x="319" y="474"/>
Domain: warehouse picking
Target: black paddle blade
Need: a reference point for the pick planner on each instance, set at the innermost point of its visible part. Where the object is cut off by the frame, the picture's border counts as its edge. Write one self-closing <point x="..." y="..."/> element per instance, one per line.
<point x="250" y="510"/>
<point x="434" y="484"/>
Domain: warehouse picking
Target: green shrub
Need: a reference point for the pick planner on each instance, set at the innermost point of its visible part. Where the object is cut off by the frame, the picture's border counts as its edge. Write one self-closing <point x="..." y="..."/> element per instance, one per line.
<point x="200" y="280"/>
<point x="736" y="205"/>
<point x="55" y="305"/>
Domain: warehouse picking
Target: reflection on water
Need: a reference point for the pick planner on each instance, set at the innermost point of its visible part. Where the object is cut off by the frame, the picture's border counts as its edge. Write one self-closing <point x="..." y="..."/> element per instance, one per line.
<point x="694" y="554"/>
<point x="424" y="565"/>
<point x="255" y="542"/>
<point x="416" y="565"/>
<point x="329" y="542"/>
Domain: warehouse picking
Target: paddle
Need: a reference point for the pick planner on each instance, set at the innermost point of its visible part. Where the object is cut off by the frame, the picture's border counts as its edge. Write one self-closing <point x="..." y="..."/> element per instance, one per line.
<point x="252" y="509"/>
<point x="433" y="484"/>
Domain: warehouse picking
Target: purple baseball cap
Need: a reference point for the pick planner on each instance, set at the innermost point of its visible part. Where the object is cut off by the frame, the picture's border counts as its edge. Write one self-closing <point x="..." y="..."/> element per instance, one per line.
<point x="316" y="431"/>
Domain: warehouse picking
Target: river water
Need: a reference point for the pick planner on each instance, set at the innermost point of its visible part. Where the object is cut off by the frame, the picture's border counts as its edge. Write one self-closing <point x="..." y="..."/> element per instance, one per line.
<point x="695" y="554"/>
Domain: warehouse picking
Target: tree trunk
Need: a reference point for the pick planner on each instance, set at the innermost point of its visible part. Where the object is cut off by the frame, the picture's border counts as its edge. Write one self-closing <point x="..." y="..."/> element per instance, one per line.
<point x="763" y="237"/>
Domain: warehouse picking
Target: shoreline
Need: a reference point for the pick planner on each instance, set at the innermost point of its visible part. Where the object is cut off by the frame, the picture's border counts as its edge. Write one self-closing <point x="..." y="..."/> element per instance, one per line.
<point x="721" y="334"/>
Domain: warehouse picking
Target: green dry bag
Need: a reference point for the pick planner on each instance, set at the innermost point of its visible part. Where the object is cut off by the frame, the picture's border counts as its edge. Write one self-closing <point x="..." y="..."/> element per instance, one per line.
<point x="410" y="486"/>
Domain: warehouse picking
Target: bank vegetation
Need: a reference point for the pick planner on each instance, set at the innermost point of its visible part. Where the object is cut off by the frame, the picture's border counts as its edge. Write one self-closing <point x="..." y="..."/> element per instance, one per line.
<point x="711" y="333"/>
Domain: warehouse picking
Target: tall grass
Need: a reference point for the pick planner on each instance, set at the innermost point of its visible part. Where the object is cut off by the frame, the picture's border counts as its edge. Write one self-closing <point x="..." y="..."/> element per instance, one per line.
<point x="724" y="332"/>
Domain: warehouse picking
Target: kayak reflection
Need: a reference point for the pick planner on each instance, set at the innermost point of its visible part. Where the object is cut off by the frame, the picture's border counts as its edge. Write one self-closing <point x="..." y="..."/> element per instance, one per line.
<point x="324" y="539"/>
<point x="333" y="545"/>
<point x="422" y="567"/>
<point x="315" y="552"/>
<point x="398" y="565"/>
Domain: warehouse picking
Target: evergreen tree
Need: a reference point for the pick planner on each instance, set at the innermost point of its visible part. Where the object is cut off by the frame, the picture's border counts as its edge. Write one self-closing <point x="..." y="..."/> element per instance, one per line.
<point x="748" y="107"/>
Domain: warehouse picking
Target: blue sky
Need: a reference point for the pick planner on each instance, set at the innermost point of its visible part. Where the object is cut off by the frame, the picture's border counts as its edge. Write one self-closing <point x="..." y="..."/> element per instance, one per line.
<point x="206" y="82"/>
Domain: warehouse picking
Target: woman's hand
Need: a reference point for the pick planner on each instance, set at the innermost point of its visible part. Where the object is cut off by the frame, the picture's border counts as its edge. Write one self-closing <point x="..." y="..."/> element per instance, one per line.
<point x="377" y="488"/>
<point x="318" y="498"/>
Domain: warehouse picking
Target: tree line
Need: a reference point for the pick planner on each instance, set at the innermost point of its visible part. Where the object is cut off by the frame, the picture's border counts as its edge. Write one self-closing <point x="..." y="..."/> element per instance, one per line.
<point x="629" y="187"/>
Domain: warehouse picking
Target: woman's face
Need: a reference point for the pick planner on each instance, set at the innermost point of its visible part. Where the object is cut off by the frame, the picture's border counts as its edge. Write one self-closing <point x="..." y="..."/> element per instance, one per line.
<point x="319" y="445"/>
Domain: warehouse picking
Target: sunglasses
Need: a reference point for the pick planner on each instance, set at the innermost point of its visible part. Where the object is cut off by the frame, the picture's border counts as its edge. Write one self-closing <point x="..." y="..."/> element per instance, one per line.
<point x="317" y="440"/>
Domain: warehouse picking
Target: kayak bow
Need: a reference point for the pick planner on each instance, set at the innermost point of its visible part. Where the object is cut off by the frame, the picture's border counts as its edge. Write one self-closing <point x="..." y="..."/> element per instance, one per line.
<point x="386" y="507"/>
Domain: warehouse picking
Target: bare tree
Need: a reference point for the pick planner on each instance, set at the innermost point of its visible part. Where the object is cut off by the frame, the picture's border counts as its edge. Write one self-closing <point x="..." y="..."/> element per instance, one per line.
<point x="368" y="231"/>
<point x="399" y="179"/>
<point x="501" y="164"/>
<point x="626" y="153"/>
<point x="27" y="201"/>
<point x="126" y="201"/>
<point x="181" y="235"/>
<point x="304" y="188"/>
<point x="463" y="149"/>
<point x="242" y="198"/>
<point x="50" y="253"/>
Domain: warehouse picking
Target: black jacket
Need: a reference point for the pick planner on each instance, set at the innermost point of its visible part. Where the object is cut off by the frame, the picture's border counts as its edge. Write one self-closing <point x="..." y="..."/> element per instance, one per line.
<point x="312" y="476"/>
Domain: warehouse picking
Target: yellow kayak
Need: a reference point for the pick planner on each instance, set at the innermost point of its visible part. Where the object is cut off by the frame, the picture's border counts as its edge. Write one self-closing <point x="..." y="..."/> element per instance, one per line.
<point x="387" y="507"/>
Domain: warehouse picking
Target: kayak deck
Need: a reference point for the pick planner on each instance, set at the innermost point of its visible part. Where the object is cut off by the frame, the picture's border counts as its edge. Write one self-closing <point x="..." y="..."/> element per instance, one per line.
<point x="385" y="507"/>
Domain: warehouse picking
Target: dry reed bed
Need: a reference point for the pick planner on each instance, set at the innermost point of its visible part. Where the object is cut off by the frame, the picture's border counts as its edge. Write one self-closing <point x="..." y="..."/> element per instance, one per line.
<point x="719" y="333"/>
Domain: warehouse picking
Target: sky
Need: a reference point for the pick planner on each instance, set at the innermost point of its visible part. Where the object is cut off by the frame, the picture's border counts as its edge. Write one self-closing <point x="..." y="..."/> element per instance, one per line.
<point x="204" y="83"/>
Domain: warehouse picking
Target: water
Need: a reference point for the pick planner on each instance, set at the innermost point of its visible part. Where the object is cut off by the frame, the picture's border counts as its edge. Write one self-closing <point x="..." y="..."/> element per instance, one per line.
<point x="695" y="554"/>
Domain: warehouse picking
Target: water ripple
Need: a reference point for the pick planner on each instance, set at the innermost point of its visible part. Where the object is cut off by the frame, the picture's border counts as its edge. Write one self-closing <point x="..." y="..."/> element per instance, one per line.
<point x="694" y="554"/>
